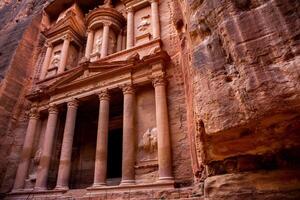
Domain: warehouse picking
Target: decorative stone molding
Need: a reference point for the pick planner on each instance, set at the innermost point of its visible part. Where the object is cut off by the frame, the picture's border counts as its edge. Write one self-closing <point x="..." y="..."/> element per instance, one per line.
<point x="104" y="95"/>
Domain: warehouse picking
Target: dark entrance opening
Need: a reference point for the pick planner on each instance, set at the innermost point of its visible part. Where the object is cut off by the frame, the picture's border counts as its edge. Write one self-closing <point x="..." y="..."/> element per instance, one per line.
<point x="114" y="161"/>
<point x="84" y="144"/>
<point x="115" y="140"/>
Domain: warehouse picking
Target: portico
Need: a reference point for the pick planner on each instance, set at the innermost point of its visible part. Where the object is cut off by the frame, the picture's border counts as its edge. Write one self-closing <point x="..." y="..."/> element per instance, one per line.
<point x="102" y="84"/>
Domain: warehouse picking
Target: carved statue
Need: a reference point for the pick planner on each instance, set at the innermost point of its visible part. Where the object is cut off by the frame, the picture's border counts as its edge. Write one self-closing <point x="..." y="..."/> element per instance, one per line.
<point x="149" y="142"/>
<point x="99" y="44"/>
<point x="56" y="60"/>
<point x="36" y="161"/>
<point x="144" y="23"/>
<point x="112" y="44"/>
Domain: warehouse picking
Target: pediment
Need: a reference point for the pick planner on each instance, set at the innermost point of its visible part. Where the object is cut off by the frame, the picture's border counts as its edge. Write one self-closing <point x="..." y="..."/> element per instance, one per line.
<point x="69" y="22"/>
<point x="89" y="71"/>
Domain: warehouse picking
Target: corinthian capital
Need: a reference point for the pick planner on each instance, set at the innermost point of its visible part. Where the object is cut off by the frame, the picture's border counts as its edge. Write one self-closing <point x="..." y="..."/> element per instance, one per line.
<point x="53" y="109"/>
<point x="73" y="103"/>
<point x="159" y="80"/>
<point x="34" y="113"/>
<point x="127" y="89"/>
<point x="104" y="95"/>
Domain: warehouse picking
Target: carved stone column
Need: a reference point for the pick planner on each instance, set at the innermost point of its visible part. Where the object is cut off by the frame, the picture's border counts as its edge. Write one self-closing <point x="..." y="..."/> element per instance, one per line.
<point x="46" y="61"/>
<point x="119" y="41"/>
<point x="66" y="149"/>
<point x="64" y="54"/>
<point x="130" y="28"/>
<point x="105" y="37"/>
<point x="27" y="149"/>
<point x="43" y="169"/>
<point x="89" y="43"/>
<point x="102" y="140"/>
<point x="163" y="136"/>
<point x="155" y="19"/>
<point x="128" y="157"/>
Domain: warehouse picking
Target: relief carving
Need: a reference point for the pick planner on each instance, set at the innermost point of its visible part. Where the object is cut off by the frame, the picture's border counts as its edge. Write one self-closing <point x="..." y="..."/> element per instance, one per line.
<point x="99" y="42"/>
<point x="144" y="23"/>
<point x="36" y="160"/>
<point x="149" y="141"/>
<point x="56" y="60"/>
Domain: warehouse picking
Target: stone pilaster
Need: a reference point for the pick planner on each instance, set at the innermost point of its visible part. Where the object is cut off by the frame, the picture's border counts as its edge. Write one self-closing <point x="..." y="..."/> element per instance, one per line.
<point x="46" y="61"/>
<point x="155" y="19"/>
<point x="105" y="37"/>
<point x="43" y="169"/>
<point x="102" y="140"/>
<point x="64" y="54"/>
<point x="66" y="149"/>
<point x="130" y="28"/>
<point x="89" y="43"/>
<point x="163" y="135"/>
<point x="27" y="149"/>
<point x="128" y="159"/>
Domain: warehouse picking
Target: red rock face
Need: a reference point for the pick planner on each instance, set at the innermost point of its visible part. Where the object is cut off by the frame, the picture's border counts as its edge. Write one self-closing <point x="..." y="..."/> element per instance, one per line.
<point x="233" y="96"/>
<point x="244" y="71"/>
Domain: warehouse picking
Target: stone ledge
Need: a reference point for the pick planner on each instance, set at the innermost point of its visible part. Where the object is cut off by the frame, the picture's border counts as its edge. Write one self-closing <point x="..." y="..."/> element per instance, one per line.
<point x="162" y="185"/>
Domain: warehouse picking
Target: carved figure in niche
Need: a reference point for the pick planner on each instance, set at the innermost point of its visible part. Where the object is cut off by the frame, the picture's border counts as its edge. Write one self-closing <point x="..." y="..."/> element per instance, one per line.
<point x="144" y="23"/>
<point x="36" y="161"/>
<point x="99" y="44"/>
<point x="56" y="60"/>
<point x="149" y="142"/>
<point x="111" y="44"/>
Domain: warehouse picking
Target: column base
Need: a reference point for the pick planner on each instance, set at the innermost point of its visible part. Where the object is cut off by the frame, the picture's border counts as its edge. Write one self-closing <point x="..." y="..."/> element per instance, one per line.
<point x="165" y="179"/>
<point x="127" y="182"/>
<point x="40" y="188"/>
<point x="61" y="188"/>
<point x="97" y="185"/>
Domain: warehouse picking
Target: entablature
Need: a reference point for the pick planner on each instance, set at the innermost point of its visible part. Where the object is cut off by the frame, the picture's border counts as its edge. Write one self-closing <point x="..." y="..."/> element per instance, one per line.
<point x="90" y="78"/>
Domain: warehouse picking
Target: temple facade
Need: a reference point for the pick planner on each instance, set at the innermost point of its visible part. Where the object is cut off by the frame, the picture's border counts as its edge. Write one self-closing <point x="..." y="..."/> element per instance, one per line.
<point x="99" y="117"/>
<point x="149" y="99"/>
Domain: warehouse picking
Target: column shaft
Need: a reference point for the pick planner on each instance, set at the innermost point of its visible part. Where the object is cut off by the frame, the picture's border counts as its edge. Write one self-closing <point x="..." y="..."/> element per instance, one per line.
<point x="128" y="157"/>
<point x="162" y="123"/>
<point x="105" y="37"/>
<point x="89" y="44"/>
<point x="155" y="19"/>
<point x="130" y="28"/>
<point x="64" y="55"/>
<point x="119" y="41"/>
<point x="46" y="62"/>
<point x="66" y="149"/>
<point x="102" y="141"/>
<point x="26" y="151"/>
<point x="43" y="169"/>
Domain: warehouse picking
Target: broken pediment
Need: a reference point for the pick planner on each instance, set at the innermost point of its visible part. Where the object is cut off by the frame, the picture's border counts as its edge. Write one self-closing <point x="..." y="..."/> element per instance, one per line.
<point x="71" y="20"/>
